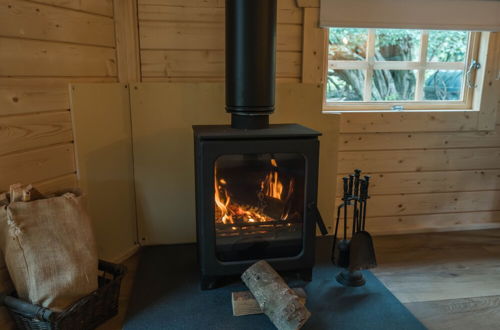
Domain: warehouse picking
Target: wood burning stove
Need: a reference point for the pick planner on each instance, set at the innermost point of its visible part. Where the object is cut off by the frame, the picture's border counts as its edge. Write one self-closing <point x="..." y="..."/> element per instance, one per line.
<point x="256" y="194"/>
<point x="256" y="184"/>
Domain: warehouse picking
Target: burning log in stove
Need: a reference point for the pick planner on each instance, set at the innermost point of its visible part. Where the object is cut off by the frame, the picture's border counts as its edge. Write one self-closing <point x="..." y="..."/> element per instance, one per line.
<point x="271" y="203"/>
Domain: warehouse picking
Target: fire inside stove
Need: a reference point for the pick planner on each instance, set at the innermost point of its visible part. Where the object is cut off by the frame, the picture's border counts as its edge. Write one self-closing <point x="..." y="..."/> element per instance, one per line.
<point x="259" y="205"/>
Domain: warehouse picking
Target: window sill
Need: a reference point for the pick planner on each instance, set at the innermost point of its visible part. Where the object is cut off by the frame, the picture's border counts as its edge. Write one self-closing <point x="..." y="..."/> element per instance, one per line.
<point x="338" y="112"/>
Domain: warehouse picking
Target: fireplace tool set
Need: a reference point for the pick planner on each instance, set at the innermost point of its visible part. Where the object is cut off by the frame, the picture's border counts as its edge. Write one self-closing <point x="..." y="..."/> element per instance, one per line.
<point x="356" y="253"/>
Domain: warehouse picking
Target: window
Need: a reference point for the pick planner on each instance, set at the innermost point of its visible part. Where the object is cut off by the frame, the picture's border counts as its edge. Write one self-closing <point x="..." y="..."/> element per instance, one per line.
<point x="396" y="69"/>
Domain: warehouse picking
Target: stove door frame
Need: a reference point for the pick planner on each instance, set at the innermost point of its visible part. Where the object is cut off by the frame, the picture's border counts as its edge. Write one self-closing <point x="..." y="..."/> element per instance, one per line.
<point x="206" y="153"/>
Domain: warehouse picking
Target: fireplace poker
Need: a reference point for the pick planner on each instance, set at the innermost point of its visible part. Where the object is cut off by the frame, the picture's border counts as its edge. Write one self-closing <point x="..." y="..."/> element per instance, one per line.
<point x="357" y="174"/>
<point x="340" y="249"/>
<point x="365" y="198"/>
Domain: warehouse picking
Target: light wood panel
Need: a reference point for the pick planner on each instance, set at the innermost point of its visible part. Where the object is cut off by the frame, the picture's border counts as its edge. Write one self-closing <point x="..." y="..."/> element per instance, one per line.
<point x="37" y="21"/>
<point x="284" y="80"/>
<point x="183" y="3"/>
<point x="411" y="140"/>
<point x="127" y="41"/>
<point x="433" y="222"/>
<point x="408" y="122"/>
<point x="430" y="182"/>
<point x="19" y="96"/>
<point x="102" y="7"/>
<point x="30" y="58"/>
<point x="162" y="115"/>
<point x="314" y="43"/>
<point x="282" y="4"/>
<point x="163" y="11"/>
<point x="102" y="129"/>
<point x="420" y="160"/>
<point x="28" y="95"/>
<point x="206" y="36"/>
<point x="36" y="165"/>
<point x="184" y="41"/>
<point x="65" y="182"/>
<point x="205" y="63"/>
<point x="34" y="131"/>
<point x="433" y="203"/>
<point x="488" y="101"/>
<point x="308" y="3"/>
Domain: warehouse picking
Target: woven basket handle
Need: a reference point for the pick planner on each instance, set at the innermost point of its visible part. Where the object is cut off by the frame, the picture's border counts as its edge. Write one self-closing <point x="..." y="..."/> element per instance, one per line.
<point x="26" y="309"/>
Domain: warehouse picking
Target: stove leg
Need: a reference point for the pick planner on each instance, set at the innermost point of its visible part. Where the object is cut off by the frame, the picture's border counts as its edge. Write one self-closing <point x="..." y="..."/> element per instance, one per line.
<point x="208" y="282"/>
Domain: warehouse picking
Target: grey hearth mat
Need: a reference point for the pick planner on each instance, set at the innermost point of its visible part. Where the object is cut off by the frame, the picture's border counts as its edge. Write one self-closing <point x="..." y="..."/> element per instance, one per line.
<point x="166" y="295"/>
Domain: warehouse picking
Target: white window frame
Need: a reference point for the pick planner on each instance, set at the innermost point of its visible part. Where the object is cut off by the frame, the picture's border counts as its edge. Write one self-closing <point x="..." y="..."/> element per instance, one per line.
<point x="467" y="103"/>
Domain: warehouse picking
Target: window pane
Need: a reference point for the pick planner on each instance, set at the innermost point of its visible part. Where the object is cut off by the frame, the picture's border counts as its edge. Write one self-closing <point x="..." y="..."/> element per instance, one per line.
<point x="397" y="45"/>
<point x="393" y="85"/>
<point x="345" y="85"/>
<point x="347" y="44"/>
<point x="447" y="46"/>
<point x="443" y="84"/>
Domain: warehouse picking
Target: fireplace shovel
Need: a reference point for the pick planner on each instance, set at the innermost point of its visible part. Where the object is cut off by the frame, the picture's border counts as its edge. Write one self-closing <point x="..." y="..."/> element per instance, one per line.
<point x="362" y="252"/>
<point x="340" y="248"/>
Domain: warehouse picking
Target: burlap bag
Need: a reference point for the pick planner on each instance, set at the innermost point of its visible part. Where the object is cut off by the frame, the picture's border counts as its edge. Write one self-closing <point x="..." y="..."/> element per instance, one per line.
<point x="50" y="250"/>
<point x="6" y="285"/>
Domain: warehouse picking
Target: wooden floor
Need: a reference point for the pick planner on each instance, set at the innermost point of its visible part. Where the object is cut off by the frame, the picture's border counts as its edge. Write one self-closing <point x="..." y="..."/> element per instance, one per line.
<point x="447" y="280"/>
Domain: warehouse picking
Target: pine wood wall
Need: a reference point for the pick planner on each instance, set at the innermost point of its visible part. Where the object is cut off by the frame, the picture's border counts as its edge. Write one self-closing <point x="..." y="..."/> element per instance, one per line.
<point x="44" y="45"/>
<point x="183" y="40"/>
<point x="428" y="175"/>
<point x="425" y="181"/>
<point x="430" y="172"/>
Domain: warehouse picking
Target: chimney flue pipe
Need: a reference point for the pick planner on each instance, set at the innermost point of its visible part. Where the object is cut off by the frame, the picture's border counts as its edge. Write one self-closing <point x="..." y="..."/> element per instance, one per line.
<point x="250" y="62"/>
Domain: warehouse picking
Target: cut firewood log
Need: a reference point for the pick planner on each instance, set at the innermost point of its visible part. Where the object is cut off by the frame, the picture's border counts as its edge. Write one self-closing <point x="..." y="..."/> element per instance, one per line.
<point x="4" y="199"/>
<point x="16" y="192"/>
<point x="20" y="193"/>
<point x="275" y="298"/>
<point x="244" y="302"/>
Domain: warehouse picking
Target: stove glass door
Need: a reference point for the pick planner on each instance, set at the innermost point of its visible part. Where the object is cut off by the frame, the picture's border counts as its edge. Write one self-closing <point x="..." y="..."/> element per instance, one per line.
<point x="259" y="202"/>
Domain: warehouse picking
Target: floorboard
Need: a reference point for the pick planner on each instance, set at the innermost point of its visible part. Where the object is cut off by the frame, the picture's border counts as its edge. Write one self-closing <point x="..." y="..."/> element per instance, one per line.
<point x="465" y="313"/>
<point x="440" y="266"/>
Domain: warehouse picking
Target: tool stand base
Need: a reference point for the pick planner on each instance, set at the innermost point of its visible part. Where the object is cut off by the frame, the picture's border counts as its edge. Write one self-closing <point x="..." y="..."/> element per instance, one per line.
<point x="348" y="278"/>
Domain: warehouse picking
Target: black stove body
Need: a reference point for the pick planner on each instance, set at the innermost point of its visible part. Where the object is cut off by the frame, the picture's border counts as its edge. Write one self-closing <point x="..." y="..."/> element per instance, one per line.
<point x="256" y="194"/>
<point x="256" y="184"/>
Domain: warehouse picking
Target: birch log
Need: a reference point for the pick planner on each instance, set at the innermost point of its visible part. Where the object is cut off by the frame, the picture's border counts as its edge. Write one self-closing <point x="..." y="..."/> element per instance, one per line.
<point x="275" y="298"/>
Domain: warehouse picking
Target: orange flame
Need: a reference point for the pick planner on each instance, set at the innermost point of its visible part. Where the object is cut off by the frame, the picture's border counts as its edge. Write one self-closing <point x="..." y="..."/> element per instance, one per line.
<point x="222" y="200"/>
<point x="272" y="186"/>
<point x="230" y="212"/>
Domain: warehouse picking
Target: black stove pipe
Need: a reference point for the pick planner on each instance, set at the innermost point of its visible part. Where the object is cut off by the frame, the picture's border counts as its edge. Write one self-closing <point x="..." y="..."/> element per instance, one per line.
<point x="250" y="62"/>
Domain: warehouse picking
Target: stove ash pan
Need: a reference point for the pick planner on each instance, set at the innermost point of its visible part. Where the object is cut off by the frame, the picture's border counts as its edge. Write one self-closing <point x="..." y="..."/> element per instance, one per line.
<point x="256" y="194"/>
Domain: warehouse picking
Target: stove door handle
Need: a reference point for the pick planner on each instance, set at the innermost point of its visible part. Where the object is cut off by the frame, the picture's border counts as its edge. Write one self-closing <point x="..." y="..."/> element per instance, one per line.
<point x="314" y="211"/>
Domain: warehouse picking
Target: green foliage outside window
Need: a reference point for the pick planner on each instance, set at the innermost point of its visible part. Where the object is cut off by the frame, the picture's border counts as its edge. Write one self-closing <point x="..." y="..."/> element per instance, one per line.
<point x="349" y="44"/>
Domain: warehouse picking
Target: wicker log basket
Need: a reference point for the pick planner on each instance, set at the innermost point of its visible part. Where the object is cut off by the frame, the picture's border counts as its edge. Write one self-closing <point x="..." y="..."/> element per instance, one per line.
<point x="86" y="313"/>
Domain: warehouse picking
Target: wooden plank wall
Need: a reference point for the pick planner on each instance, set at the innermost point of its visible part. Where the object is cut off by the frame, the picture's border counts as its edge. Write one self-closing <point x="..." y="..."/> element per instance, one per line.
<point x="425" y="181"/>
<point x="44" y="45"/>
<point x="183" y="40"/>
<point x="431" y="171"/>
